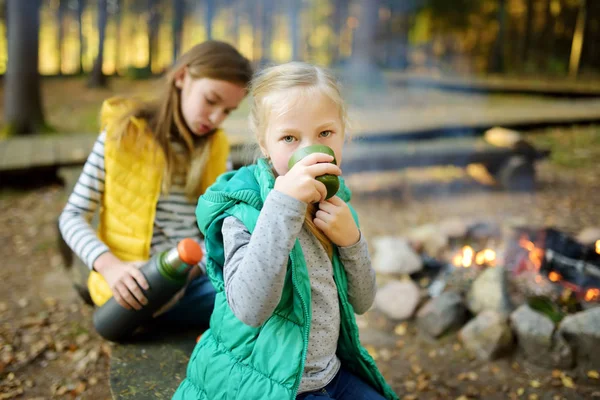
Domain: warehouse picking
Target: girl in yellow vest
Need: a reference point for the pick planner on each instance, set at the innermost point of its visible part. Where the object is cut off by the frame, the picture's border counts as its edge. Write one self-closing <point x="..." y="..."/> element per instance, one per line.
<point x="145" y="173"/>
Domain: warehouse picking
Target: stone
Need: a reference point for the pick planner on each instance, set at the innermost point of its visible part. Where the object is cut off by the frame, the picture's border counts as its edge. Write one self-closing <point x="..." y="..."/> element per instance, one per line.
<point x="589" y="236"/>
<point x="442" y="314"/>
<point x="487" y="336"/>
<point x="394" y="255"/>
<point x="483" y="231"/>
<point x="398" y="300"/>
<point x="453" y="227"/>
<point x="489" y="292"/>
<point x="538" y="339"/>
<point x="582" y="332"/>
<point x="430" y="237"/>
<point x="502" y="137"/>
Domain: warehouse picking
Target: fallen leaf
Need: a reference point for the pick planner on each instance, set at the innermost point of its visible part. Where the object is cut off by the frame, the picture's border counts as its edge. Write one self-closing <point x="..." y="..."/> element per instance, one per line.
<point x="400" y="329"/>
<point x="463" y="397"/>
<point x="416" y="369"/>
<point x="372" y="351"/>
<point x="556" y="373"/>
<point x="456" y="347"/>
<point x="535" y="384"/>
<point x="533" y="396"/>
<point x="432" y="354"/>
<point x="593" y="374"/>
<point x="520" y="391"/>
<point x="567" y="381"/>
<point x="410" y="385"/>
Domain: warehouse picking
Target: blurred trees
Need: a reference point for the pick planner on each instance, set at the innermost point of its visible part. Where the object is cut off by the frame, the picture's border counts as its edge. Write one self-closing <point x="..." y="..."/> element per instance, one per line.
<point x="22" y="99"/>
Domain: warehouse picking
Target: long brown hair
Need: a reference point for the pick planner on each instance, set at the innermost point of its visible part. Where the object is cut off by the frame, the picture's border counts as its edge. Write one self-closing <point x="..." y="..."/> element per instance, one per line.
<point x="287" y="76"/>
<point x="211" y="59"/>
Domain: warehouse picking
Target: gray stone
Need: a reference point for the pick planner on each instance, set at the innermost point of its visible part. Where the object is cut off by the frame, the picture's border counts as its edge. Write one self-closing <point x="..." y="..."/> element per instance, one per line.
<point x="484" y="231"/>
<point x="582" y="332"/>
<point x="442" y="314"/>
<point x="487" y="336"/>
<point x="398" y="299"/>
<point x="589" y="236"/>
<point x="453" y="227"/>
<point x="538" y="340"/>
<point x="489" y="292"/>
<point x="430" y="237"/>
<point x="394" y="255"/>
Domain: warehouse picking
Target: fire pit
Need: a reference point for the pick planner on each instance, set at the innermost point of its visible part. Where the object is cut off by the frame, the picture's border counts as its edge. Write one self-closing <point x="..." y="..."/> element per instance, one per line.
<point x="533" y="290"/>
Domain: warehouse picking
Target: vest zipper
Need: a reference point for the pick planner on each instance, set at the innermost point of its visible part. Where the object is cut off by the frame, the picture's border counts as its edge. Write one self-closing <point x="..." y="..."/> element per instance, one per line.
<point x="307" y="327"/>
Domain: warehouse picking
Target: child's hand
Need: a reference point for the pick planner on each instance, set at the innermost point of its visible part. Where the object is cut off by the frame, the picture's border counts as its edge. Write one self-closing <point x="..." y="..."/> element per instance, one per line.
<point x="300" y="182"/>
<point x="335" y="220"/>
<point x="124" y="279"/>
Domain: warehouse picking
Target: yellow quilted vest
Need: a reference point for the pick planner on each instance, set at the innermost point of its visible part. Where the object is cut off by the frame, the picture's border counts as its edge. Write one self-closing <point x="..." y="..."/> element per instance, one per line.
<point x="134" y="170"/>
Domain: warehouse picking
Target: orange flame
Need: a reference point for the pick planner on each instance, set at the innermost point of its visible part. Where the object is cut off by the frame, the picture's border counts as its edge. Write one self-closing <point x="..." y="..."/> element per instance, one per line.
<point x="554" y="276"/>
<point x="467" y="255"/>
<point x="536" y="254"/>
<point x="598" y="246"/>
<point x="592" y="294"/>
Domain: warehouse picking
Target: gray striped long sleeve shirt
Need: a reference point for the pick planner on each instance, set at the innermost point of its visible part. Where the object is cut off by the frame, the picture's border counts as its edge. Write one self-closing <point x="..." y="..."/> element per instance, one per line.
<point x="175" y="214"/>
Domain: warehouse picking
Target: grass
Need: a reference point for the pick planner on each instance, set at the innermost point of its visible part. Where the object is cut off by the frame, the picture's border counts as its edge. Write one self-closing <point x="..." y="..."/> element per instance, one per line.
<point x="573" y="147"/>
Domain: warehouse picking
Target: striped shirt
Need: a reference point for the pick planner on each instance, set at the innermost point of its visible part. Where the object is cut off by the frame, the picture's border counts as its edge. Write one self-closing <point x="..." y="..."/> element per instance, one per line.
<point x="175" y="214"/>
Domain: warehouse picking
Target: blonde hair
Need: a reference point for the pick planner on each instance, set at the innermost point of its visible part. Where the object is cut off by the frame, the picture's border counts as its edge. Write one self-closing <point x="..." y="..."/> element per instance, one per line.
<point x="210" y="59"/>
<point x="309" y="79"/>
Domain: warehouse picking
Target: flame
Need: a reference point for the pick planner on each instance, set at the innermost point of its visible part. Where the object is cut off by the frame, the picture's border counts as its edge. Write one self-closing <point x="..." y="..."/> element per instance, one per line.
<point x="592" y="294"/>
<point x="554" y="276"/>
<point x="464" y="258"/>
<point x="536" y="254"/>
<point x="598" y="246"/>
<point x="467" y="255"/>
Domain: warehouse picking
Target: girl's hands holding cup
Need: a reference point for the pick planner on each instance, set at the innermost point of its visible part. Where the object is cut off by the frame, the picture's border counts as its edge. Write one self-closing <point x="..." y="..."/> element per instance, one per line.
<point x="335" y="219"/>
<point x="300" y="182"/>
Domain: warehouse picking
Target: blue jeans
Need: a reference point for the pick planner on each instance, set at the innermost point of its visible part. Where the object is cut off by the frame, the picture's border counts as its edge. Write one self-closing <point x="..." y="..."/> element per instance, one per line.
<point x="194" y="308"/>
<point x="344" y="386"/>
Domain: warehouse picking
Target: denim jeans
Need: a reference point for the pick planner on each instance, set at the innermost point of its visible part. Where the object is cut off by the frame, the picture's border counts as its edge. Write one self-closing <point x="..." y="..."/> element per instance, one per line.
<point x="344" y="386"/>
<point x="194" y="308"/>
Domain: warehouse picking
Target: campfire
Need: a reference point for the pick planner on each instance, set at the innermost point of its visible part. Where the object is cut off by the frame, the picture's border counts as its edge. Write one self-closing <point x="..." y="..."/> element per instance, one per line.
<point x="466" y="257"/>
<point x="561" y="260"/>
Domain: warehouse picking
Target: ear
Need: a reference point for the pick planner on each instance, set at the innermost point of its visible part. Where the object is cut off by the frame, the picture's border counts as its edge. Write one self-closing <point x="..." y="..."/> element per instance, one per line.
<point x="180" y="77"/>
<point x="263" y="149"/>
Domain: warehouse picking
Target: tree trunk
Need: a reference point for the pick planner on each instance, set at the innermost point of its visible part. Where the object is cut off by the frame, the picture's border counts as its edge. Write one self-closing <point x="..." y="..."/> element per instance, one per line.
<point x="294" y="28"/>
<point x="209" y="13"/>
<point x="22" y="95"/>
<point x="61" y="32"/>
<point x="339" y="17"/>
<point x="80" y="7"/>
<point x="118" y="11"/>
<point x="178" y="13"/>
<point x="497" y="64"/>
<point x="235" y="26"/>
<point x="401" y="16"/>
<point x="97" y="77"/>
<point x="153" y="25"/>
<point x="526" y="50"/>
<point x="577" y="43"/>
<point x="266" y="26"/>
<point x="362" y="64"/>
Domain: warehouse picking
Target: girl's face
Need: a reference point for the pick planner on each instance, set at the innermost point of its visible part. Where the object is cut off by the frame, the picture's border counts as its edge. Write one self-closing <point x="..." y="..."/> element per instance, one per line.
<point x="206" y="102"/>
<point x="308" y="120"/>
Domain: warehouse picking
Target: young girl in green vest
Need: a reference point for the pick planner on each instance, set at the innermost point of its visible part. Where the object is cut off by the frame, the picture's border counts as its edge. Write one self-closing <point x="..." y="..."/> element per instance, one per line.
<point x="290" y="268"/>
<point x="145" y="173"/>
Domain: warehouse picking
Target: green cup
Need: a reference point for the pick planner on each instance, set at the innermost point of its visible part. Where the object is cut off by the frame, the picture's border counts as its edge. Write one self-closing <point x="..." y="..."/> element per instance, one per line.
<point x="331" y="182"/>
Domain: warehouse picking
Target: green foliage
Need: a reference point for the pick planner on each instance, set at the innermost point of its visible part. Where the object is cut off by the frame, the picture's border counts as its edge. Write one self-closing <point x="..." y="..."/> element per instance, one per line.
<point x="547" y="307"/>
<point x="453" y="14"/>
<point x="577" y="147"/>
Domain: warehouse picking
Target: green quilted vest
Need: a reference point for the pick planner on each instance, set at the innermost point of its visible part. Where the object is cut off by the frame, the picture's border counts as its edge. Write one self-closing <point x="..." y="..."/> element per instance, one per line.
<point x="235" y="361"/>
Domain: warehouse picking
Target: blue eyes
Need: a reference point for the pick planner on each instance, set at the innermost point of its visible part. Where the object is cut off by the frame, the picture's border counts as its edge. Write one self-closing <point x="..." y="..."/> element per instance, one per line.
<point x="291" y="139"/>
